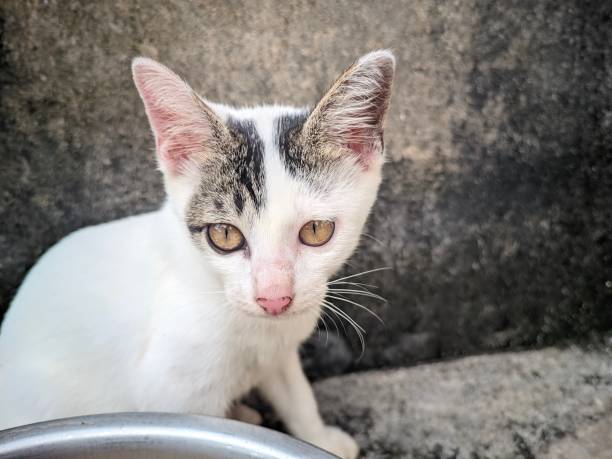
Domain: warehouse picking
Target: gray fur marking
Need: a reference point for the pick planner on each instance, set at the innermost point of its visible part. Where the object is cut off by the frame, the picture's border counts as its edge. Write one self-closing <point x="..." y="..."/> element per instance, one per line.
<point x="233" y="177"/>
<point x="303" y="153"/>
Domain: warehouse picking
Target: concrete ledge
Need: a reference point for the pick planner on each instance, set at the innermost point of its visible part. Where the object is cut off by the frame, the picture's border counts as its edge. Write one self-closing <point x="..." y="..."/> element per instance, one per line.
<point x="550" y="403"/>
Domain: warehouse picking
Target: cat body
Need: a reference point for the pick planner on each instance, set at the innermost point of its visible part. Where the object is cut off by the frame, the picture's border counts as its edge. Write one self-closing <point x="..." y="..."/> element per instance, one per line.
<point x="188" y="308"/>
<point x="106" y="359"/>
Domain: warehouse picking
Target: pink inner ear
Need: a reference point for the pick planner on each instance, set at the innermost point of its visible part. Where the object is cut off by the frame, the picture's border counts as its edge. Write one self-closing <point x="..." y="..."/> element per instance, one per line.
<point x="360" y="142"/>
<point x="180" y="150"/>
<point x="179" y="123"/>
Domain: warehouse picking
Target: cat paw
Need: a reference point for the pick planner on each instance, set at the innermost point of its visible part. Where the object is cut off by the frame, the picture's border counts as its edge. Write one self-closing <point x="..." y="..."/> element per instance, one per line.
<point x="337" y="442"/>
<point x="244" y="413"/>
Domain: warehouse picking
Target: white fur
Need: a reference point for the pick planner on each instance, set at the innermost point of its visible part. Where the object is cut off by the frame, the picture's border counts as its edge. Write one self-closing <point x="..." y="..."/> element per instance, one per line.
<point x="131" y="316"/>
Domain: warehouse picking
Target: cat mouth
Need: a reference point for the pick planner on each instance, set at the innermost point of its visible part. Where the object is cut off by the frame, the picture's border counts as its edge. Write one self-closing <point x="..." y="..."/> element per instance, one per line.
<point x="289" y="314"/>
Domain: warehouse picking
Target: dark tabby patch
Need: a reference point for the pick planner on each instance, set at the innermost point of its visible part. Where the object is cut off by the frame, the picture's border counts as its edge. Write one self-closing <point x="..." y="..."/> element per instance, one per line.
<point x="248" y="162"/>
<point x="303" y="153"/>
<point x="233" y="177"/>
<point x="290" y="147"/>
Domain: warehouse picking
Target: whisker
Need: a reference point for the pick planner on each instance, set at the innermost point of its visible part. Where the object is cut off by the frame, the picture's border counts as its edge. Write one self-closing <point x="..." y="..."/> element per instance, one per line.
<point x="330" y="306"/>
<point x="361" y="274"/>
<point x="352" y="288"/>
<point x="358" y="330"/>
<point x="357" y="292"/>
<point x="318" y="327"/>
<point x="338" y="317"/>
<point x="345" y="316"/>
<point x="374" y="239"/>
<point x="346" y="300"/>
<point x="349" y="264"/>
<point x="356" y="284"/>
<point x="333" y="321"/>
<point x="326" y="329"/>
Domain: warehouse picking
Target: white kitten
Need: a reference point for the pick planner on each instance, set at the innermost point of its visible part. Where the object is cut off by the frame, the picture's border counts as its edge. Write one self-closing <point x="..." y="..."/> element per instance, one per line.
<point x="188" y="308"/>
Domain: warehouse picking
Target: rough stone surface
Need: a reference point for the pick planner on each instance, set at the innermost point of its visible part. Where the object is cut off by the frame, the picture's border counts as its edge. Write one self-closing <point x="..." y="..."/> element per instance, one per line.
<point x="496" y="210"/>
<point x="547" y="404"/>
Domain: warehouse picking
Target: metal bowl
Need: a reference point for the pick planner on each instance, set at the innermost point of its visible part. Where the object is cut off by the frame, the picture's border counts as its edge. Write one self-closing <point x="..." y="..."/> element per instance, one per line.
<point x="151" y="436"/>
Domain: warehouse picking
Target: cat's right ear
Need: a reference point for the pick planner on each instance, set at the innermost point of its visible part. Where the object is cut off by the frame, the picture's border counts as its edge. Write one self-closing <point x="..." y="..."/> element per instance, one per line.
<point x="182" y="123"/>
<point x="351" y="115"/>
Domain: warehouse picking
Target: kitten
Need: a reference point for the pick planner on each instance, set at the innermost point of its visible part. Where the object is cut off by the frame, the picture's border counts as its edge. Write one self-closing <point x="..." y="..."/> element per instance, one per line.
<point x="187" y="308"/>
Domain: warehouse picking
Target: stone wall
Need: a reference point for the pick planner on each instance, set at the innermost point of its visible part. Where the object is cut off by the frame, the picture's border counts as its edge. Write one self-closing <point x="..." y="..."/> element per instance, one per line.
<point x="496" y="211"/>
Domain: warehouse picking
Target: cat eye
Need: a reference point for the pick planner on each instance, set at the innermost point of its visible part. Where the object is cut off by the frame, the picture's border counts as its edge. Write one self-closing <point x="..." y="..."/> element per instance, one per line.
<point x="224" y="237"/>
<point x="317" y="232"/>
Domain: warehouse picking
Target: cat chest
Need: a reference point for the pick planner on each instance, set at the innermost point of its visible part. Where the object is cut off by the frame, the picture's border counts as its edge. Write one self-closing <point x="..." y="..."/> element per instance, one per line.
<point x="255" y="358"/>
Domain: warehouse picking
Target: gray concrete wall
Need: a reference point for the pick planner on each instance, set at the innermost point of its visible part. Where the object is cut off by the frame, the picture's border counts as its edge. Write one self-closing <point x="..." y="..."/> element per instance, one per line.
<point x="496" y="210"/>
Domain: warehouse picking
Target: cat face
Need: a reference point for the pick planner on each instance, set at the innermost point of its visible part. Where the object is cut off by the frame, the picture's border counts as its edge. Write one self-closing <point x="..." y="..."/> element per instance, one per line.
<point x="273" y="197"/>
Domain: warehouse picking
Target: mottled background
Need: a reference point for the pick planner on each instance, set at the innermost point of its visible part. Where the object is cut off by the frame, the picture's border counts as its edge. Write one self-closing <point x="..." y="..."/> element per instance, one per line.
<point x="496" y="211"/>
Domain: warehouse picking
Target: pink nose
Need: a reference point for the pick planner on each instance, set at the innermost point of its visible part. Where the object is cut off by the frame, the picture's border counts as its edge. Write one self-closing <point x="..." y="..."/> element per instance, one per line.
<point x="275" y="306"/>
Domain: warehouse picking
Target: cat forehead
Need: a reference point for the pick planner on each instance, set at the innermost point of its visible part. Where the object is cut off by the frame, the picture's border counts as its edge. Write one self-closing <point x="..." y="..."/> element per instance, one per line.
<point x="261" y="165"/>
<point x="264" y="114"/>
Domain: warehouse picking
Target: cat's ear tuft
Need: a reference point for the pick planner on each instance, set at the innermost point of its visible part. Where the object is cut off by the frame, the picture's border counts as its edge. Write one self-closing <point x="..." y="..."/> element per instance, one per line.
<point x="352" y="112"/>
<point x="181" y="122"/>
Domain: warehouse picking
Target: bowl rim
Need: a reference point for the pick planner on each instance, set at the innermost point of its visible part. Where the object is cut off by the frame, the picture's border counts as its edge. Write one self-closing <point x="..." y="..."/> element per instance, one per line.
<point x="125" y="431"/>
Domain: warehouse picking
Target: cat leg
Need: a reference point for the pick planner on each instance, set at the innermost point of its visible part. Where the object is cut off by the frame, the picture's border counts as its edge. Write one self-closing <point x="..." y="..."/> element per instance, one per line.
<point x="244" y="413"/>
<point x="289" y="392"/>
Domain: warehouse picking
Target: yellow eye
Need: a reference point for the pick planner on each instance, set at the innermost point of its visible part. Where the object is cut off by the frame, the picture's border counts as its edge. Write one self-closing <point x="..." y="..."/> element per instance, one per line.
<point x="317" y="232"/>
<point x="224" y="237"/>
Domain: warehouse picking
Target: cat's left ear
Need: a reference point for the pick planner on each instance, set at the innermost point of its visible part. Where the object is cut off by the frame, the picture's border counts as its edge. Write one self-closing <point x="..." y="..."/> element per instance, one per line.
<point x="352" y="112"/>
